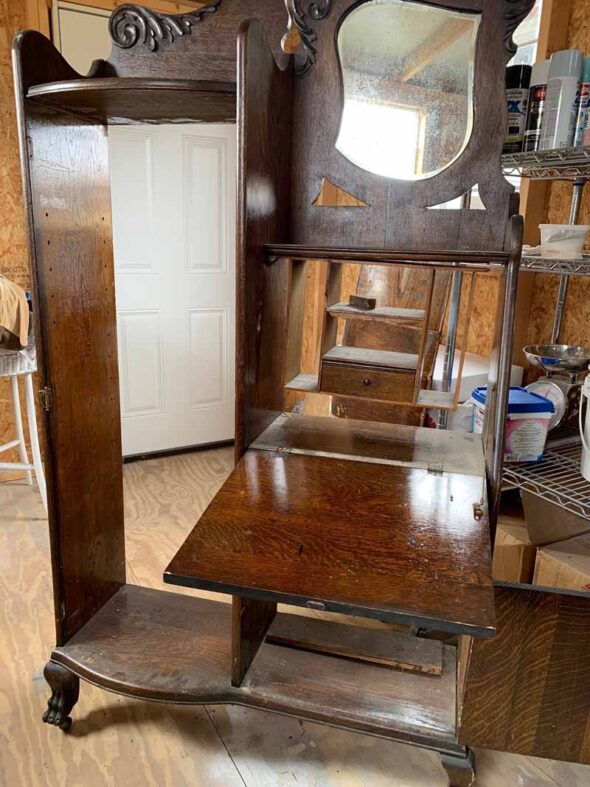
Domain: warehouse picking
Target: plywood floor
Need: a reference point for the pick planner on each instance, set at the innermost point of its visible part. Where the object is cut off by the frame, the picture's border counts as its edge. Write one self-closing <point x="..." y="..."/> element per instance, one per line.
<point x="117" y="741"/>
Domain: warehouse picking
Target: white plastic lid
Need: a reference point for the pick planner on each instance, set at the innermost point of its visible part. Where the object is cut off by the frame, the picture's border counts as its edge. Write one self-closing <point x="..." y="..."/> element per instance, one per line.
<point x="567" y="63"/>
<point x="540" y="73"/>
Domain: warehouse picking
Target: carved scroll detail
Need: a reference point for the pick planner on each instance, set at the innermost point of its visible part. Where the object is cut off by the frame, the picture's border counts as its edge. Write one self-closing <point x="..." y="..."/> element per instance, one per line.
<point x="131" y="24"/>
<point x="514" y="12"/>
<point x="302" y="14"/>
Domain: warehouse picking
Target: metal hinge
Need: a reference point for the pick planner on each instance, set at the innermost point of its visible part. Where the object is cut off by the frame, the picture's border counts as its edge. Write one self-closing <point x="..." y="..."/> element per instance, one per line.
<point x="45" y="398"/>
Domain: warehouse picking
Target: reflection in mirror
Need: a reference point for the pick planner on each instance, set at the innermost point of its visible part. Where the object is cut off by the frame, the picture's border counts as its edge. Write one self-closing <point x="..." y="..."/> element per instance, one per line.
<point x="407" y="73"/>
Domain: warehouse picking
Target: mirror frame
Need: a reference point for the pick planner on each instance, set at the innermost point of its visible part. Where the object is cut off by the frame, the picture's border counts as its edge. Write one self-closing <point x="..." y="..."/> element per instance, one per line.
<point x="475" y="18"/>
<point x="395" y="202"/>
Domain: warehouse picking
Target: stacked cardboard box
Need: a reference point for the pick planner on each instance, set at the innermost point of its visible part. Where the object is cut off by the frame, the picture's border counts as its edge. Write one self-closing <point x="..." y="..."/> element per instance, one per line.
<point x="565" y="564"/>
<point x="514" y="555"/>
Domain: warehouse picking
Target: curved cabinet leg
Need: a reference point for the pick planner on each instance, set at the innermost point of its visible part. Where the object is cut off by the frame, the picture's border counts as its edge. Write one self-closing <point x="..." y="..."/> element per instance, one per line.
<point x="460" y="770"/>
<point x="65" y="690"/>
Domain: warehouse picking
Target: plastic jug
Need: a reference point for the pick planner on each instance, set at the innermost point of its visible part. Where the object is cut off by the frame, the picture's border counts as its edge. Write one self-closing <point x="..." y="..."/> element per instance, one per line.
<point x="585" y="429"/>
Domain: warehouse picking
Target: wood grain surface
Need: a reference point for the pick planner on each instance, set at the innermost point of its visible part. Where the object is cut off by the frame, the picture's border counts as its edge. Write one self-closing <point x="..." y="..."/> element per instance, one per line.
<point x="528" y="690"/>
<point x="250" y="622"/>
<point x="71" y="241"/>
<point x="160" y="645"/>
<point x="388" y="648"/>
<point x="118" y="100"/>
<point x="209" y="52"/>
<point x="65" y="171"/>
<point x="311" y="530"/>
<point x="264" y="133"/>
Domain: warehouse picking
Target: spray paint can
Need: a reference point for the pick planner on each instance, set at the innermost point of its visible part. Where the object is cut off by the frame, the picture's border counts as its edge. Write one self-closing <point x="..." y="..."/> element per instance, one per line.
<point x="583" y="120"/>
<point x="561" y="109"/>
<point x="517" y="98"/>
<point x="536" y="112"/>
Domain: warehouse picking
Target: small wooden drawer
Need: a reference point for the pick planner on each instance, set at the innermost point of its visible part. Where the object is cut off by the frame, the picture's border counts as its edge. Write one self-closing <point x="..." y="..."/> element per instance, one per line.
<point x="368" y="382"/>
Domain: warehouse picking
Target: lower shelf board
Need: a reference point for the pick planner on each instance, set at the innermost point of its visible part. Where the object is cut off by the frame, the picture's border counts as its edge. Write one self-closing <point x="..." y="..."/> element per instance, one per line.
<point x="164" y="646"/>
<point x="308" y="383"/>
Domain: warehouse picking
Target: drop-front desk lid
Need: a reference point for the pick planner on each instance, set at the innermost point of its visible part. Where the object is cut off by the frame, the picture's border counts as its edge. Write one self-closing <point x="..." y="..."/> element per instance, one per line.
<point x="392" y="542"/>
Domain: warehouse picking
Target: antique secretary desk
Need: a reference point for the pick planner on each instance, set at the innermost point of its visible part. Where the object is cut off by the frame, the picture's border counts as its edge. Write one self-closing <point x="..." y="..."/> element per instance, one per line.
<point x="375" y="521"/>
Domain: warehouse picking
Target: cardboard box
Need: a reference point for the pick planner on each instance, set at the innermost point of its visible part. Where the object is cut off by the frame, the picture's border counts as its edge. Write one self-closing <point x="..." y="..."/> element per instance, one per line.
<point x="514" y="555"/>
<point x="548" y="523"/>
<point x="564" y="565"/>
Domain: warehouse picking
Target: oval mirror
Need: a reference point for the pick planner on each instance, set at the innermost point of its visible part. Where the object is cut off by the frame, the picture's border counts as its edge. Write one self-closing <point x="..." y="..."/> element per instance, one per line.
<point x="407" y="76"/>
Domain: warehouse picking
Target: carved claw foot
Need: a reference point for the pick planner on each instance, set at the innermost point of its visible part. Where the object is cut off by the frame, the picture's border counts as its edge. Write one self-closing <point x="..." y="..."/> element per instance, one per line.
<point x="65" y="690"/>
<point x="460" y="770"/>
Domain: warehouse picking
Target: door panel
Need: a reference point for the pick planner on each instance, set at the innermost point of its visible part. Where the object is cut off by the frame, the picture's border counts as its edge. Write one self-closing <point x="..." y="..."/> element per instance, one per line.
<point x="528" y="689"/>
<point x="205" y="165"/>
<point x="173" y="196"/>
<point x="140" y="361"/>
<point x="207" y="339"/>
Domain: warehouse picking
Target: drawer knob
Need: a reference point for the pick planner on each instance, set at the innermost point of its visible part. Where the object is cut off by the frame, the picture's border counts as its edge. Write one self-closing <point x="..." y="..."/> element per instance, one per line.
<point x="366" y="381"/>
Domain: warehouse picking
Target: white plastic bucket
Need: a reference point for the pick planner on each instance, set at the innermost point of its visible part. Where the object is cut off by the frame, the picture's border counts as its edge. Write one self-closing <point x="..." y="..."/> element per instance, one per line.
<point x="526" y="432"/>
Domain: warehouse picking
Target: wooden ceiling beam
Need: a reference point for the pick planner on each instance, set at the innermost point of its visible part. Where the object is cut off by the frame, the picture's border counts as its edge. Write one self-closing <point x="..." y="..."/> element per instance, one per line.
<point x="442" y="38"/>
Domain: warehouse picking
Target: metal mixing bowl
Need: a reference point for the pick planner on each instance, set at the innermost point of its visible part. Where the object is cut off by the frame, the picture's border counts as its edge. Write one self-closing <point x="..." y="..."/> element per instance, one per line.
<point x="558" y="357"/>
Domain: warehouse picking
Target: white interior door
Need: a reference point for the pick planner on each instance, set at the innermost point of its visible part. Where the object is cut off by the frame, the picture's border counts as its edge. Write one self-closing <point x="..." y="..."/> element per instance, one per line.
<point x="173" y="198"/>
<point x="81" y="33"/>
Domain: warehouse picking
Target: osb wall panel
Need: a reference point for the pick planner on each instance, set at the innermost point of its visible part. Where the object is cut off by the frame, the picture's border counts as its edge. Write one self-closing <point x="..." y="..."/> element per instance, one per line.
<point x="13" y="243"/>
<point x="481" y="327"/>
<point x="576" y="324"/>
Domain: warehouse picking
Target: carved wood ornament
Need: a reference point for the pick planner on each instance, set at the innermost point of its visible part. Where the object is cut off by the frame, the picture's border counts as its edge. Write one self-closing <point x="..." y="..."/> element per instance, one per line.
<point x="304" y="13"/>
<point x="131" y="24"/>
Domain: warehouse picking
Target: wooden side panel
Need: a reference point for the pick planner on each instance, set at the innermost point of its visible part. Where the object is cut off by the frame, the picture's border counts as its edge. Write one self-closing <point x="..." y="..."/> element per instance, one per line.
<point x="264" y="134"/>
<point x="250" y="622"/>
<point x="66" y="182"/>
<point x="528" y="690"/>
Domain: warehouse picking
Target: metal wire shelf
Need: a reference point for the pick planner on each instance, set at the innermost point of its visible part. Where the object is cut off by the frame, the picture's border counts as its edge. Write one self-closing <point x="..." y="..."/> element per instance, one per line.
<point x="552" y="265"/>
<point x="563" y="164"/>
<point x="556" y="479"/>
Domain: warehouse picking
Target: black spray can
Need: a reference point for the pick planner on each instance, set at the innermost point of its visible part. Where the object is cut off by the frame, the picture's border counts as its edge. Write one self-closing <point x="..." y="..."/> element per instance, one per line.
<point x="537" y="97"/>
<point x="518" y="80"/>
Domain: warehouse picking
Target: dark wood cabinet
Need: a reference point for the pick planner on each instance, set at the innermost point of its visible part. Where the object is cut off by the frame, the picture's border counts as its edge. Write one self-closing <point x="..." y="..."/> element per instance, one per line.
<point x="389" y="522"/>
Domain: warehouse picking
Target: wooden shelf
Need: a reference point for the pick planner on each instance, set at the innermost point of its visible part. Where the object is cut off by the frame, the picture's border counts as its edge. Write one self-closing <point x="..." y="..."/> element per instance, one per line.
<point x="126" y="100"/>
<point x="307" y="383"/>
<point x="384" y="313"/>
<point x="378" y="358"/>
<point x="469" y="260"/>
<point x="435" y="400"/>
<point x="438" y="400"/>
<point x="390" y="542"/>
<point x="168" y="647"/>
<point x="437" y="450"/>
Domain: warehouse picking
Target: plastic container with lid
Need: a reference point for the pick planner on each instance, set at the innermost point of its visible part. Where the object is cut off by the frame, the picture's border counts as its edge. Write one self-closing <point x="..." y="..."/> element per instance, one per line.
<point x="527" y="423"/>
<point x="563" y="241"/>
